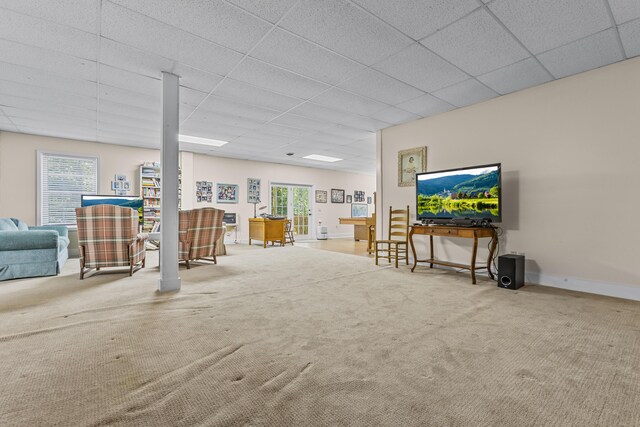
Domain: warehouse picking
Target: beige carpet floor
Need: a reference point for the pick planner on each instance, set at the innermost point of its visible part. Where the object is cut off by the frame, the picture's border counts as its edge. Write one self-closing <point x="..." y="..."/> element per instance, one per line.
<point x="301" y="337"/>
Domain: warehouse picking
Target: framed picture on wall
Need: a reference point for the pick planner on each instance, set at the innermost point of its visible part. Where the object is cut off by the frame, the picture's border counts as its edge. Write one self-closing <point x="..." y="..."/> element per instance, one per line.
<point x="410" y="162"/>
<point x="349" y="198"/>
<point x="359" y="210"/>
<point x="253" y="190"/>
<point x="337" y="196"/>
<point x="369" y="200"/>
<point x="321" y="196"/>
<point x="227" y="193"/>
<point x="358" y="196"/>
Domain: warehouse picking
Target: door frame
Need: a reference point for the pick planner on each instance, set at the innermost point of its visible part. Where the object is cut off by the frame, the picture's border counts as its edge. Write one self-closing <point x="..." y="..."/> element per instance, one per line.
<point x="312" y="203"/>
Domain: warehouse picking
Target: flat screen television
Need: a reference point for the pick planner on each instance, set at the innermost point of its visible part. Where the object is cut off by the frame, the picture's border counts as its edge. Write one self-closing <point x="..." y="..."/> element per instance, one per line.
<point x="133" y="202"/>
<point x="464" y="193"/>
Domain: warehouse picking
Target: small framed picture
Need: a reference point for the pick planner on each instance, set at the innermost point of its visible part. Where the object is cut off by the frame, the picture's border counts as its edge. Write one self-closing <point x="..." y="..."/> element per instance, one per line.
<point x="253" y="190"/>
<point x="115" y="185"/>
<point x="337" y="196"/>
<point x="358" y="196"/>
<point x="369" y="200"/>
<point x="359" y="210"/>
<point x="226" y="193"/>
<point x="121" y="177"/>
<point x="126" y="185"/>
<point x="349" y="198"/>
<point x="321" y="196"/>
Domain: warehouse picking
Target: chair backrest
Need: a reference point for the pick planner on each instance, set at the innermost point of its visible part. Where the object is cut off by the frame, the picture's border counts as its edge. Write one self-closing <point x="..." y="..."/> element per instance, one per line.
<point x="105" y="232"/>
<point x="201" y="228"/>
<point x="398" y="224"/>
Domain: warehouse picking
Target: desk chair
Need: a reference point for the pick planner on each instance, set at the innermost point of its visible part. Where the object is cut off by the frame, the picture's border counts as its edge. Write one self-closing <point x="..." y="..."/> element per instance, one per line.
<point x="398" y="238"/>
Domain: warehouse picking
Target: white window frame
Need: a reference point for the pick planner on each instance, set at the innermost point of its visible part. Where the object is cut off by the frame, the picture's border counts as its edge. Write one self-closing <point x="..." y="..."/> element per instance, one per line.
<point x="39" y="171"/>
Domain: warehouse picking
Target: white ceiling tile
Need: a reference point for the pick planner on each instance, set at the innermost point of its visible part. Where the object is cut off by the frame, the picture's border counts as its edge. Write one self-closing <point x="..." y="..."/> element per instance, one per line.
<point x="341" y="100"/>
<point x="582" y="55"/>
<point x="630" y="35"/>
<point x="125" y="131"/>
<point x="145" y="113"/>
<point x="42" y="105"/>
<point x="419" y="18"/>
<point x="272" y="11"/>
<point x="144" y="33"/>
<point x="216" y="21"/>
<point x="56" y="96"/>
<point x="344" y="28"/>
<point x="210" y="120"/>
<point x="426" y="105"/>
<point x="31" y="76"/>
<point x="421" y="68"/>
<point x="130" y="81"/>
<point x="395" y="115"/>
<point x="319" y="112"/>
<point x="48" y="35"/>
<point x="367" y="123"/>
<point x="43" y="119"/>
<point x="64" y="131"/>
<point x="546" y="24"/>
<point x="378" y="86"/>
<point x="124" y="96"/>
<point x="477" y="44"/>
<point x="625" y="10"/>
<point x="346" y="132"/>
<point x="301" y="122"/>
<point x="466" y="93"/>
<point x="277" y="80"/>
<point x="191" y="96"/>
<point x="220" y="105"/>
<point x="518" y="76"/>
<point x="210" y="130"/>
<point x="47" y="60"/>
<point x="246" y="93"/>
<point x="291" y="52"/>
<point x="80" y="14"/>
<point x="136" y="121"/>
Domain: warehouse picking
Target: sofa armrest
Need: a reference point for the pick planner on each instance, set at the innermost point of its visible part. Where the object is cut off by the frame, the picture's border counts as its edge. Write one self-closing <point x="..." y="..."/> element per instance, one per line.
<point x="61" y="229"/>
<point x="24" y="240"/>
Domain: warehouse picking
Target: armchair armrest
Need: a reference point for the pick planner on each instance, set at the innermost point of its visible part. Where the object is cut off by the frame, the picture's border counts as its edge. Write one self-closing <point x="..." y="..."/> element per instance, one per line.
<point x="61" y="229"/>
<point x="23" y="240"/>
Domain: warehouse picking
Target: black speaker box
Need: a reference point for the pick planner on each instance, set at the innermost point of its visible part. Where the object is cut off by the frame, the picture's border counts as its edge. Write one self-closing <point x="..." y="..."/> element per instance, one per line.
<point x="511" y="271"/>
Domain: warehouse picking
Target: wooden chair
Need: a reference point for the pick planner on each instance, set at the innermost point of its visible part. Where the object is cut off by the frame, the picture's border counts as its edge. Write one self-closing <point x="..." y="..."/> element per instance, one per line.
<point x="198" y="233"/>
<point x="108" y="237"/>
<point x="371" y="237"/>
<point x="396" y="246"/>
<point x="288" y="232"/>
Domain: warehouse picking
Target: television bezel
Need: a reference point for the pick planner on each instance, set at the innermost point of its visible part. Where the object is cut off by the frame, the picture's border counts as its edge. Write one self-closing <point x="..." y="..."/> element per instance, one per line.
<point x="499" y="165"/>
<point x="140" y="218"/>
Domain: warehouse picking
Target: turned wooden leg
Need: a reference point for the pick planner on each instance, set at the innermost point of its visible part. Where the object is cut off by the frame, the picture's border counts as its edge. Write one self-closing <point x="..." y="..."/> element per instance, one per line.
<point x="473" y="259"/>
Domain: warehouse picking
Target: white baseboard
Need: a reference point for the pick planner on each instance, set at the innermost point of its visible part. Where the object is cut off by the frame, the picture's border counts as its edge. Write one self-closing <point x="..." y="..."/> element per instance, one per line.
<point x="618" y="290"/>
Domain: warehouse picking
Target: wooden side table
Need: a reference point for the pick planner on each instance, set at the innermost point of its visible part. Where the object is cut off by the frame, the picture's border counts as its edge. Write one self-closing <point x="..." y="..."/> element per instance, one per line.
<point x="474" y="233"/>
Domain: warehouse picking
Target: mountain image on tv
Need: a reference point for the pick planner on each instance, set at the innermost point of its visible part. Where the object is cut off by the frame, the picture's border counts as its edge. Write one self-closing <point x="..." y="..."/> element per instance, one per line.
<point x="466" y="193"/>
<point x="125" y="201"/>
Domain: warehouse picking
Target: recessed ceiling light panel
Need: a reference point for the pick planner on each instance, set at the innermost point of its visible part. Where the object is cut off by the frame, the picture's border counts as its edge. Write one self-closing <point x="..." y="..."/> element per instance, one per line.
<point x="201" y="141"/>
<point x="322" y="158"/>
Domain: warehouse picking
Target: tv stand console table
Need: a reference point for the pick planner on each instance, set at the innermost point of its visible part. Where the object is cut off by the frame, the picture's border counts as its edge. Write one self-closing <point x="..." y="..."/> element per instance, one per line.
<point x="474" y="233"/>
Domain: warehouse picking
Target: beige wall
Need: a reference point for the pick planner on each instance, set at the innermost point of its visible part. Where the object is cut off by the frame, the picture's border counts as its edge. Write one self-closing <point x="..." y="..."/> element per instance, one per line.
<point x="18" y="177"/>
<point x="570" y="151"/>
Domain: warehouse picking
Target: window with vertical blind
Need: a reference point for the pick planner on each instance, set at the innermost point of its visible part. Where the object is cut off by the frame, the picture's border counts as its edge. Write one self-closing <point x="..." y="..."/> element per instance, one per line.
<point x="62" y="179"/>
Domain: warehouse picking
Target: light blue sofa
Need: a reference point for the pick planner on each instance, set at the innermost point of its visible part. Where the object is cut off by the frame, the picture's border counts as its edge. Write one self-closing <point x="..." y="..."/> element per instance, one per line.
<point x="31" y="251"/>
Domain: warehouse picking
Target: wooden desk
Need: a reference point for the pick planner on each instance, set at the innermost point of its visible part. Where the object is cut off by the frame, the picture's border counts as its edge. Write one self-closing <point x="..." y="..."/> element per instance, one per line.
<point x="474" y="233"/>
<point x="267" y="230"/>
<point x="361" y="229"/>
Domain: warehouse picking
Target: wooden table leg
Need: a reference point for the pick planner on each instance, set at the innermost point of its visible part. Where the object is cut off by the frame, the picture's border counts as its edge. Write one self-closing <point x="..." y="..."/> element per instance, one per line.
<point x="413" y="250"/>
<point x="430" y="249"/>
<point x="473" y="259"/>
<point x="492" y="249"/>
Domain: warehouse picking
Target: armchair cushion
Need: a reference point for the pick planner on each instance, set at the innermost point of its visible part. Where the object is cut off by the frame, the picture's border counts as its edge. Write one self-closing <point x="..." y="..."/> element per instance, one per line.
<point x="31" y="251"/>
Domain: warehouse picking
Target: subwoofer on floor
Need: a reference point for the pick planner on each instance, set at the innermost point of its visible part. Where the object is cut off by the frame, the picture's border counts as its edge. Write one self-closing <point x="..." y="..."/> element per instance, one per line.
<point x="511" y="271"/>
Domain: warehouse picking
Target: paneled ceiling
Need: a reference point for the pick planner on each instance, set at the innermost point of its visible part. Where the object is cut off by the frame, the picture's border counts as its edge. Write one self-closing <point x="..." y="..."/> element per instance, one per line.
<point x="287" y="76"/>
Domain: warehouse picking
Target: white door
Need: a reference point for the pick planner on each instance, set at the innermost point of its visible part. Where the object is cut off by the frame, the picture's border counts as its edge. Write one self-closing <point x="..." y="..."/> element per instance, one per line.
<point x="294" y="202"/>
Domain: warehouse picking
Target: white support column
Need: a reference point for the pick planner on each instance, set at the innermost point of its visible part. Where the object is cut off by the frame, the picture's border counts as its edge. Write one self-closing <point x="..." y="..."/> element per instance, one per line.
<point x="169" y="158"/>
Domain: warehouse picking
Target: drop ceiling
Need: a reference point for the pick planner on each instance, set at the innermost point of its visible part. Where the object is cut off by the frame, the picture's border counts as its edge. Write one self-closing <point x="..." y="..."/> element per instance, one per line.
<point x="275" y="77"/>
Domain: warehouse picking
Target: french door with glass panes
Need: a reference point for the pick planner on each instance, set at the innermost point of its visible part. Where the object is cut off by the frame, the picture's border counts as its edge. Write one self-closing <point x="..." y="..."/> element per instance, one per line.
<point x="294" y="202"/>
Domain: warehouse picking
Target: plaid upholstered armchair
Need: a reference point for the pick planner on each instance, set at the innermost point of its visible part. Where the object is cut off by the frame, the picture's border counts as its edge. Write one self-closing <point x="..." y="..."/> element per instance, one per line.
<point x="108" y="237"/>
<point x="198" y="232"/>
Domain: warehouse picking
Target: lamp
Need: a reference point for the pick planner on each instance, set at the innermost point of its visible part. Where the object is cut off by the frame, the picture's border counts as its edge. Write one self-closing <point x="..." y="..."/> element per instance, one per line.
<point x="260" y="208"/>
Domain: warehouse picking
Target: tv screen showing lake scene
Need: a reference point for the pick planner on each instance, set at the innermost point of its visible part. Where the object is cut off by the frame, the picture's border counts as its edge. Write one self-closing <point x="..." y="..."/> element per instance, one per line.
<point x="132" y="202"/>
<point x="472" y="193"/>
